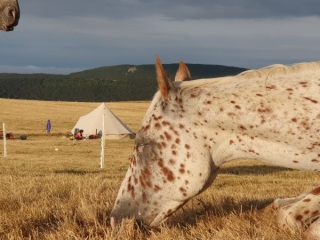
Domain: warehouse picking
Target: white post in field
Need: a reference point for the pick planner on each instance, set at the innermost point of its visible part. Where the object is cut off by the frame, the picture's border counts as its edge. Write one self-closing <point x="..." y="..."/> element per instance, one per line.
<point x="103" y="140"/>
<point x="4" y="140"/>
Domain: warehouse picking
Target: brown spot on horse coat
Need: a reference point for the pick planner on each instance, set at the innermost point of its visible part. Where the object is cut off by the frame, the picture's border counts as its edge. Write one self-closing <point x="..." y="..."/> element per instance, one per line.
<point x="316" y="191"/>
<point x="311" y="100"/>
<point x="168" y="136"/>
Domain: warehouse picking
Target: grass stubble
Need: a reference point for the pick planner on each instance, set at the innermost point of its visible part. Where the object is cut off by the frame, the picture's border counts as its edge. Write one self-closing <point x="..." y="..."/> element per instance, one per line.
<point x="49" y="194"/>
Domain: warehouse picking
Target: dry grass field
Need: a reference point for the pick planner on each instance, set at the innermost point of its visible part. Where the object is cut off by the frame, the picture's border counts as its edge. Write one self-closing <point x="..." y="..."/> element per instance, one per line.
<point x="48" y="194"/>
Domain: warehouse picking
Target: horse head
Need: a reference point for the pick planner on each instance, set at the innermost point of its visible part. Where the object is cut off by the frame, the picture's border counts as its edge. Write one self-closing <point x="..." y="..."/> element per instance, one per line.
<point x="170" y="163"/>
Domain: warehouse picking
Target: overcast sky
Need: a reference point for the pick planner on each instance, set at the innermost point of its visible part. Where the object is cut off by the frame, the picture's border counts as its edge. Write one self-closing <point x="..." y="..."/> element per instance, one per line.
<point x="63" y="36"/>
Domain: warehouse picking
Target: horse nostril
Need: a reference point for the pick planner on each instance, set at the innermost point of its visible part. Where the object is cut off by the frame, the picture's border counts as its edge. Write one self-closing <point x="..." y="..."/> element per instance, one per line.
<point x="12" y="13"/>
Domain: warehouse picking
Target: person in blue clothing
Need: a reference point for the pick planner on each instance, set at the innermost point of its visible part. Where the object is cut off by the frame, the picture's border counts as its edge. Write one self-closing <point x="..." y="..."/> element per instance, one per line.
<point x="48" y="128"/>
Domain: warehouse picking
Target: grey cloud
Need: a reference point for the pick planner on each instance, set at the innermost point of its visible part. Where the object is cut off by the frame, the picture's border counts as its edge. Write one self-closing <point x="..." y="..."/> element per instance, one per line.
<point x="77" y="34"/>
<point x="177" y="9"/>
<point x="35" y="69"/>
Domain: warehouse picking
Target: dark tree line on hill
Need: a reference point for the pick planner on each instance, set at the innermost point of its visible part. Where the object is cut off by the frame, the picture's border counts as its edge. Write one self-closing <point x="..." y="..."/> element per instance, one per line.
<point x="105" y="84"/>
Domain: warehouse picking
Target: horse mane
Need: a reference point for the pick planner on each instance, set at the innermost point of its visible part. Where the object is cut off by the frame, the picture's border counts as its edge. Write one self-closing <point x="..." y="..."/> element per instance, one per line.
<point x="280" y="70"/>
<point x="262" y="73"/>
<point x="275" y="70"/>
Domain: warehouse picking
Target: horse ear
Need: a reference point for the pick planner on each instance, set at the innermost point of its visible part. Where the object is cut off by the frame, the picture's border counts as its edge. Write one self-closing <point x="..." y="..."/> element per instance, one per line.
<point x="164" y="82"/>
<point x="183" y="73"/>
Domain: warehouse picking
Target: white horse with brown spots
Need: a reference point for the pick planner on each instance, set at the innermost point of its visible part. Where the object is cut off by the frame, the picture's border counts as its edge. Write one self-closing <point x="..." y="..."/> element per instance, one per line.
<point x="300" y="214"/>
<point x="192" y="128"/>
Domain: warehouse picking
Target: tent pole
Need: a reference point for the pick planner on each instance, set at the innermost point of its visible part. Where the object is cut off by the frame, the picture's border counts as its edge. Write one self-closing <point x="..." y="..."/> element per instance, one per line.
<point x="4" y="140"/>
<point x="102" y="143"/>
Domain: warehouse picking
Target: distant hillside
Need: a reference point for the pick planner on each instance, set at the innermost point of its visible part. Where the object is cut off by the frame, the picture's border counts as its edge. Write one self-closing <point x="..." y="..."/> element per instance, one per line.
<point x="114" y="83"/>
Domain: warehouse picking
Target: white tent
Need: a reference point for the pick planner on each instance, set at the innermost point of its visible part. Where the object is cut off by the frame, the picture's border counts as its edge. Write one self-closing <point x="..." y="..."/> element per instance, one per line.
<point x="92" y="124"/>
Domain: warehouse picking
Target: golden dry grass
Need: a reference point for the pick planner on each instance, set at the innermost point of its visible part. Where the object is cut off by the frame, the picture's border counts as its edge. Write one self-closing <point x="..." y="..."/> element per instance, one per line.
<point x="48" y="194"/>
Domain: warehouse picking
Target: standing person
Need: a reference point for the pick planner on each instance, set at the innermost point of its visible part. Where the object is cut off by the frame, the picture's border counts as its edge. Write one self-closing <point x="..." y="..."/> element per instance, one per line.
<point x="48" y="128"/>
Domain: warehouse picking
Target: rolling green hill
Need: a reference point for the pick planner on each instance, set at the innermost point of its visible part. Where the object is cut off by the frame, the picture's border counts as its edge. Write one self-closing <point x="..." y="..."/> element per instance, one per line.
<point x="104" y="84"/>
